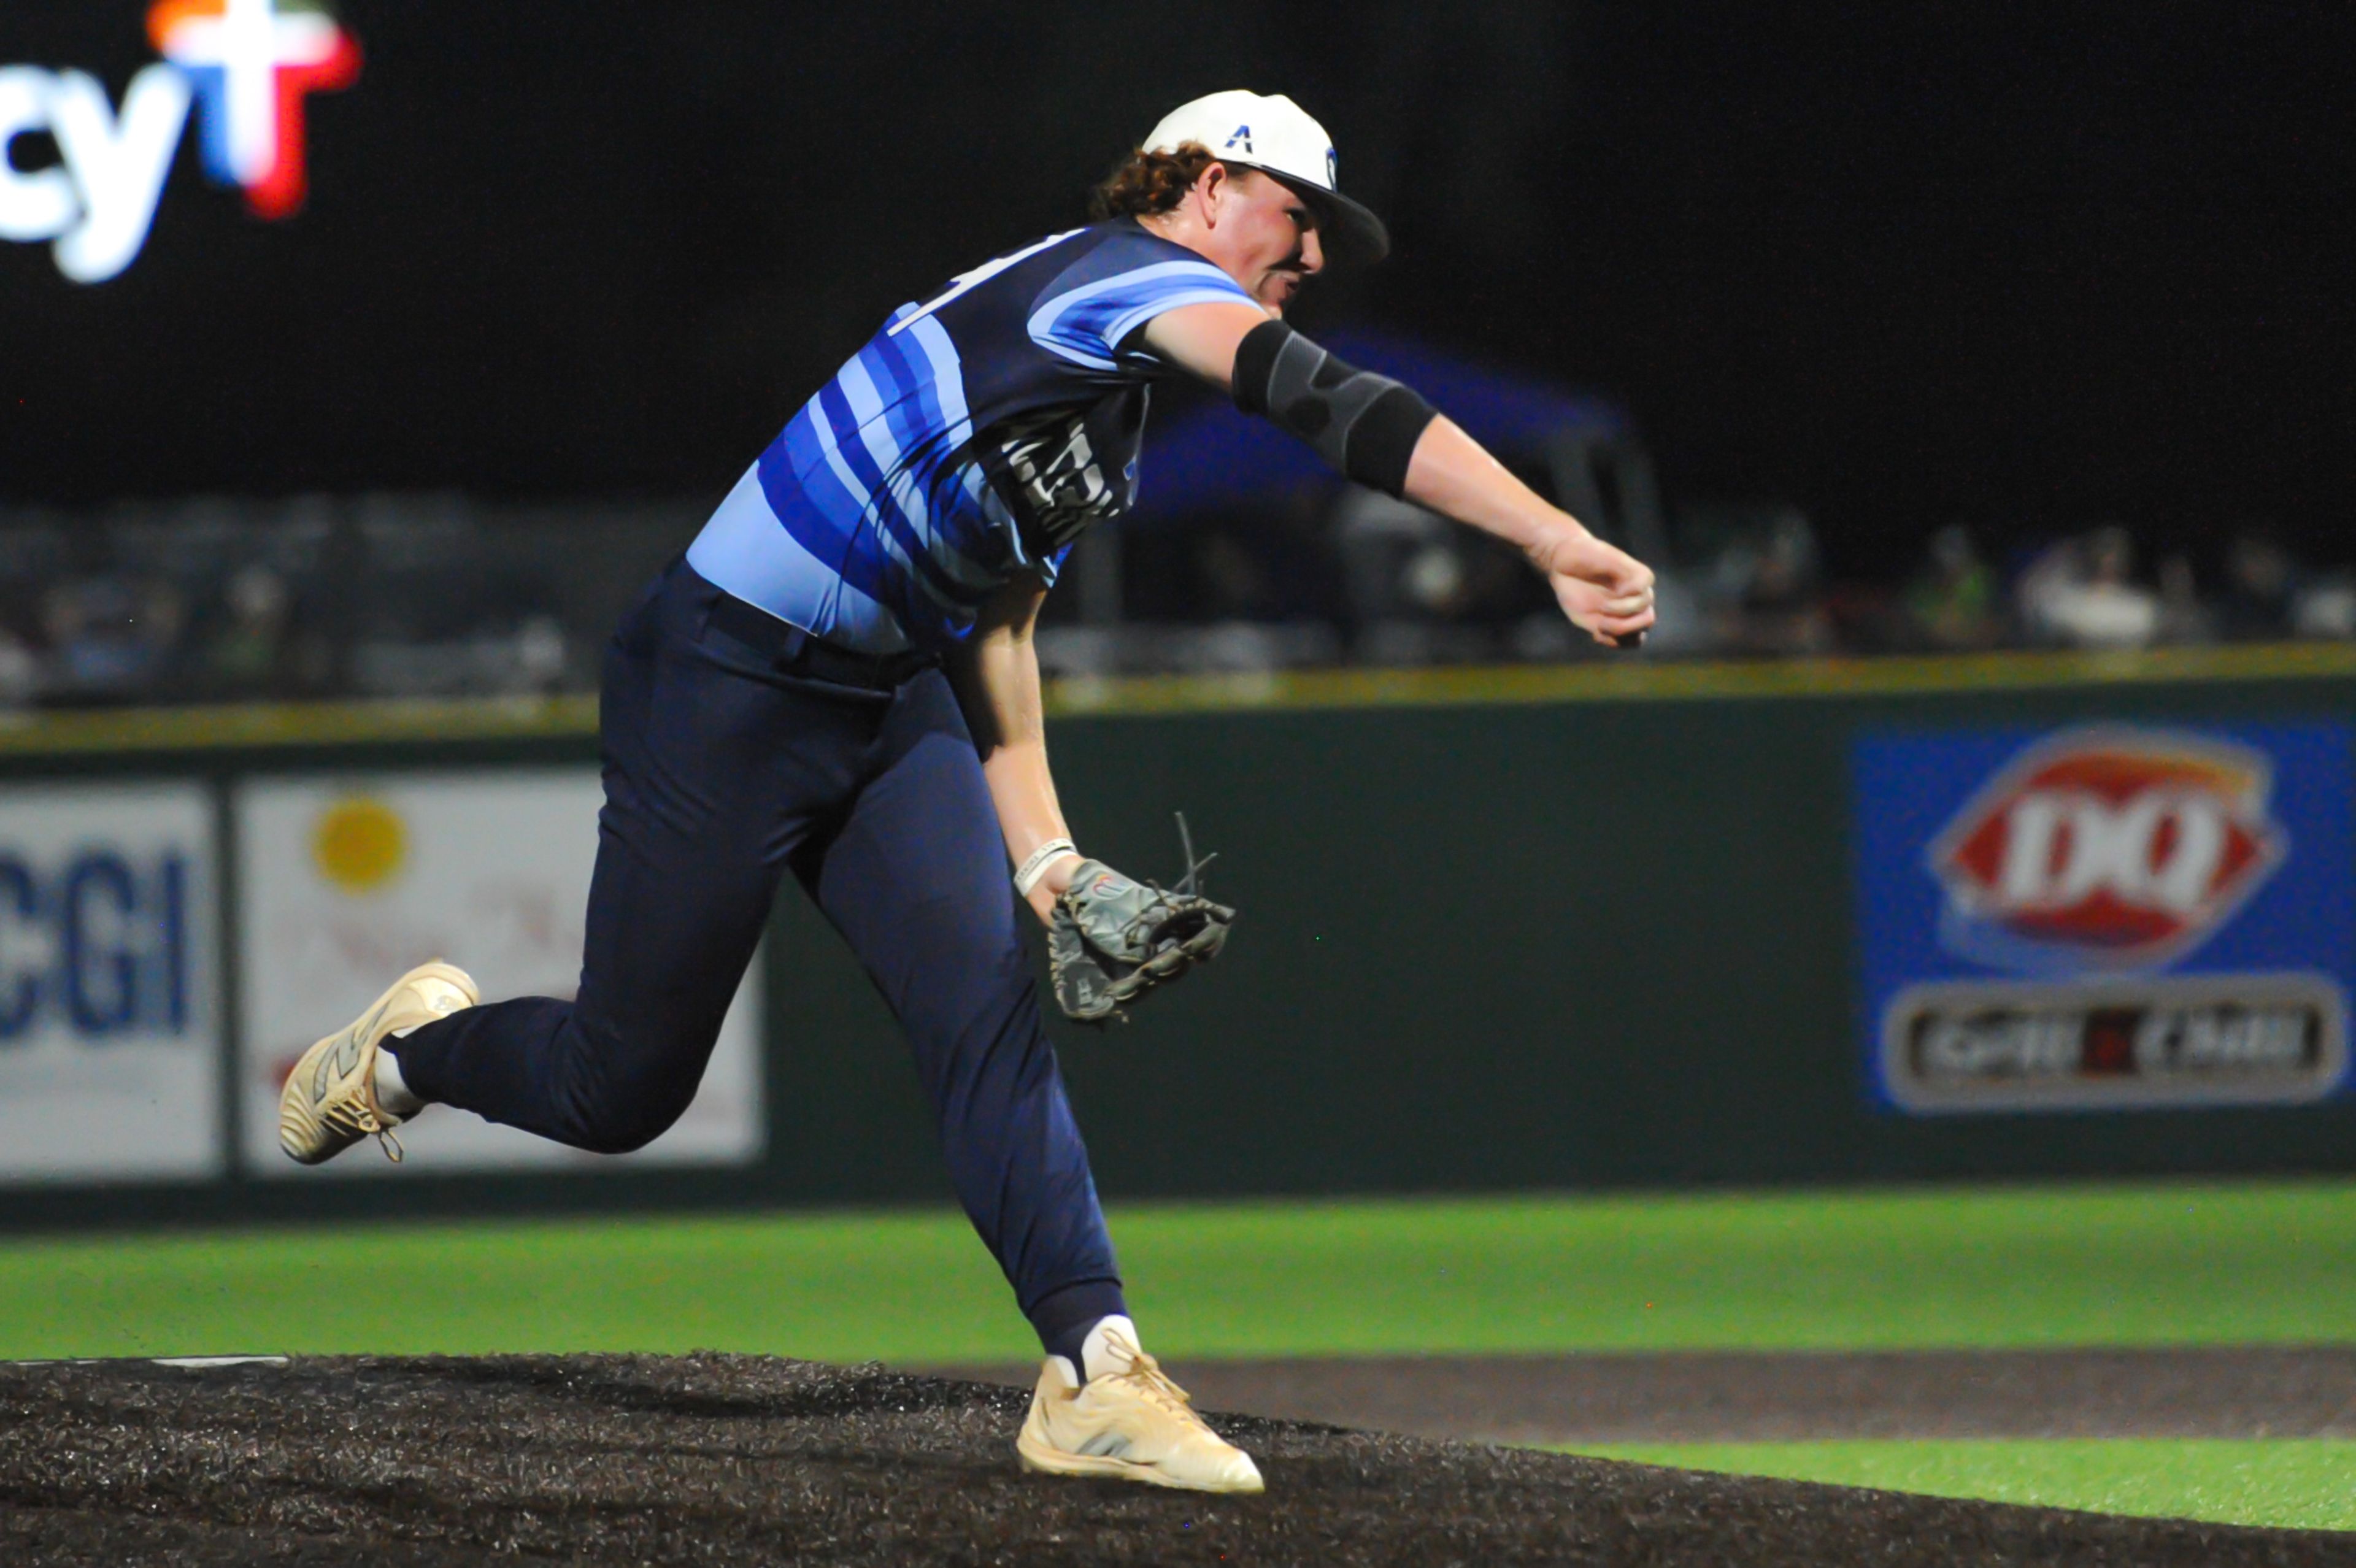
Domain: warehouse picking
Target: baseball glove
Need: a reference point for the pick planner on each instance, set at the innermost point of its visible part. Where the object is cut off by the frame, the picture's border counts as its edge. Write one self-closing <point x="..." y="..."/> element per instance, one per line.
<point x="1112" y="939"/>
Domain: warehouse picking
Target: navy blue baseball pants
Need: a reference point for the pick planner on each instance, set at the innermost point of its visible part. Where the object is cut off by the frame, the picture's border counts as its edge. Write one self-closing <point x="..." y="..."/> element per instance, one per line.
<point x="727" y="763"/>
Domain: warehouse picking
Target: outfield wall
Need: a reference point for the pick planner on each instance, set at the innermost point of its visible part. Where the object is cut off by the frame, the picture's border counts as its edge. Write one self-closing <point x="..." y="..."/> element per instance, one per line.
<point x="2010" y="916"/>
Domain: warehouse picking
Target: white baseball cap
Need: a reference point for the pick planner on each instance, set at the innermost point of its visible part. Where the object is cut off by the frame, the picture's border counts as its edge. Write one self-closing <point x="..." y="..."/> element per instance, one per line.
<point x="1276" y="135"/>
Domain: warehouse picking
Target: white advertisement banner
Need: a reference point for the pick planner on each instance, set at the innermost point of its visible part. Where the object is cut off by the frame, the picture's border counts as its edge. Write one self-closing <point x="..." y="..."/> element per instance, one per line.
<point x="345" y="883"/>
<point x="110" y="1047"/>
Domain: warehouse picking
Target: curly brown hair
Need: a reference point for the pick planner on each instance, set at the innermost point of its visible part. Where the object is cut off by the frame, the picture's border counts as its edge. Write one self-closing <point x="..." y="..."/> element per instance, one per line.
<point x="1149" y="182"/>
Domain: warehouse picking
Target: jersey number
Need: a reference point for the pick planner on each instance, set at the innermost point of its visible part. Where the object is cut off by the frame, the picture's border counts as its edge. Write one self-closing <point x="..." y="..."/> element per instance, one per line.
<point x="974" y="279"/>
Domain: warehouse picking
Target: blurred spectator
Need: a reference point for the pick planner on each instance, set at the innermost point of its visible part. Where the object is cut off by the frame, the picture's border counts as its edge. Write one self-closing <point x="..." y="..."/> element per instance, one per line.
<point x="2185" y="615"/>
<point x="109" y="637"/>
<point x="1276" y="563"/>
<point x="539" y="653"/>
<point x="420" y="596"/>
<point x="246" y="654"/>
<point x="1783" y="609"/>
<point x="1423" y="589"/>
<point x="1952" y="603"/>
<point x="2326" y="608"/>
<point x="2261" y="583"/>
<point x="1381" y="541"/>
<point x="1404" y="578"/>
<point x="1763" y="577"/>
<point x="2078" y="593"/>
<point x="2183" y="618"/>
<point x="20" y="671"/>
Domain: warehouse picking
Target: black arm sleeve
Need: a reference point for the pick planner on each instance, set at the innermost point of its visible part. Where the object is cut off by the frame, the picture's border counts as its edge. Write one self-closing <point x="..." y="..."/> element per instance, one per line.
<point x="1364" y="424"/>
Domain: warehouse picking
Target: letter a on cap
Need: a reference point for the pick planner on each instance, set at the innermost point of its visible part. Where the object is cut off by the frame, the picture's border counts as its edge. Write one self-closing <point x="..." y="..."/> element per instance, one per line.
<point x="1299" y="153"/>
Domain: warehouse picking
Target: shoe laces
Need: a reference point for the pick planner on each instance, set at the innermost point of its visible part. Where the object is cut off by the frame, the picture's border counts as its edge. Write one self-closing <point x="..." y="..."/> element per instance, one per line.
<point x="359" y="1113"/>
<point x="1145" y="1374"/>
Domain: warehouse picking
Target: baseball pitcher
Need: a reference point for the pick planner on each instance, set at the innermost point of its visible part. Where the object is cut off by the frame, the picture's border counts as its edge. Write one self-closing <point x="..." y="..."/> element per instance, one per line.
<point x="838" y="680"/>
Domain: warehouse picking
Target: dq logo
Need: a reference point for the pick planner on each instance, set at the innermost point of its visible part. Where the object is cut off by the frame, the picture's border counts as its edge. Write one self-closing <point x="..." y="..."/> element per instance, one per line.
<point x="249" y="64"/>
<point x="2120" y="847"/>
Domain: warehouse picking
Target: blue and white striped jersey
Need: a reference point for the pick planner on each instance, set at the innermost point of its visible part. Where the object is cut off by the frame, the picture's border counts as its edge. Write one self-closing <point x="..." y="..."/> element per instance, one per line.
<point x="971" y="439"/>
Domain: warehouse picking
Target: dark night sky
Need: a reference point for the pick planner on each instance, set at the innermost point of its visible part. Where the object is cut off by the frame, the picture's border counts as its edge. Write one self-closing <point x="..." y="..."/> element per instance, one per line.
<point x="2022" y="265"/>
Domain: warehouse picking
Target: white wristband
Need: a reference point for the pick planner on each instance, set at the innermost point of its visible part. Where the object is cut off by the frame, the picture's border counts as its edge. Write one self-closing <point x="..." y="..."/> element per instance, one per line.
<point x="1042" y="857"/>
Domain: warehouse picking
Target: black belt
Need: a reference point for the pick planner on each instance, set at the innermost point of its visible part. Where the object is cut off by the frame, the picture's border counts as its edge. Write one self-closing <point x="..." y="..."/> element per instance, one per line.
<point x="797" y="653"/>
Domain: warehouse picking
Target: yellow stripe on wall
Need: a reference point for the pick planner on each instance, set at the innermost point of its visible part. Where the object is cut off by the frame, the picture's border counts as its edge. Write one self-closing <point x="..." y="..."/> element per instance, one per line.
<point x="1609" y="680"/>
<point x="265" y="725"/>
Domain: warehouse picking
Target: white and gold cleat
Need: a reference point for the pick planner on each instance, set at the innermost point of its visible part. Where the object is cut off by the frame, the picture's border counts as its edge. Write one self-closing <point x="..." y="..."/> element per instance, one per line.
<point x="1133" y="1425"/>
<point x="329" y="1101"/>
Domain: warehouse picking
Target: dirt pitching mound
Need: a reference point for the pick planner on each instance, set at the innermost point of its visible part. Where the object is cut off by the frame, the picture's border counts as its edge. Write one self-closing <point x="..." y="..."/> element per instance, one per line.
<point x="723" y="1459"/>
<point x="1779" y="1396"/>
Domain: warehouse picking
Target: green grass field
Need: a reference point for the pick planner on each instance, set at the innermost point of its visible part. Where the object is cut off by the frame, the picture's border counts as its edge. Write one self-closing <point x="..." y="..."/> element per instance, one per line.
<point x="2158" y="1265"/>
<point x="2142" y="1265"/>
<point x="2303" y="1484"/>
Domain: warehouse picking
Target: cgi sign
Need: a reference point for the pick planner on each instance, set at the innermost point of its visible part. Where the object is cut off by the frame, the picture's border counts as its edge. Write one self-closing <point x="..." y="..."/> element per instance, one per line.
<point x="110" y="1050"/>
<point x="244" y="67"/>
<point x="98" y="943"/>
<point x="2107" y="916"/>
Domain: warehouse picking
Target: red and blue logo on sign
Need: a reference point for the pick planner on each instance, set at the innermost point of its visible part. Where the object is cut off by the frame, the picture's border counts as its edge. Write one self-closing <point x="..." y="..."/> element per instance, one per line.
<point x="2106" y="915"/>
<point x="2114" y="847"/>
<point x="252" y="63"/>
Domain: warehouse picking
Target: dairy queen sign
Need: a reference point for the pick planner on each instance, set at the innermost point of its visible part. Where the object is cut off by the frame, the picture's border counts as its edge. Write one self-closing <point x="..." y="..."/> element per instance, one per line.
<point x="2106" y="916"/>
